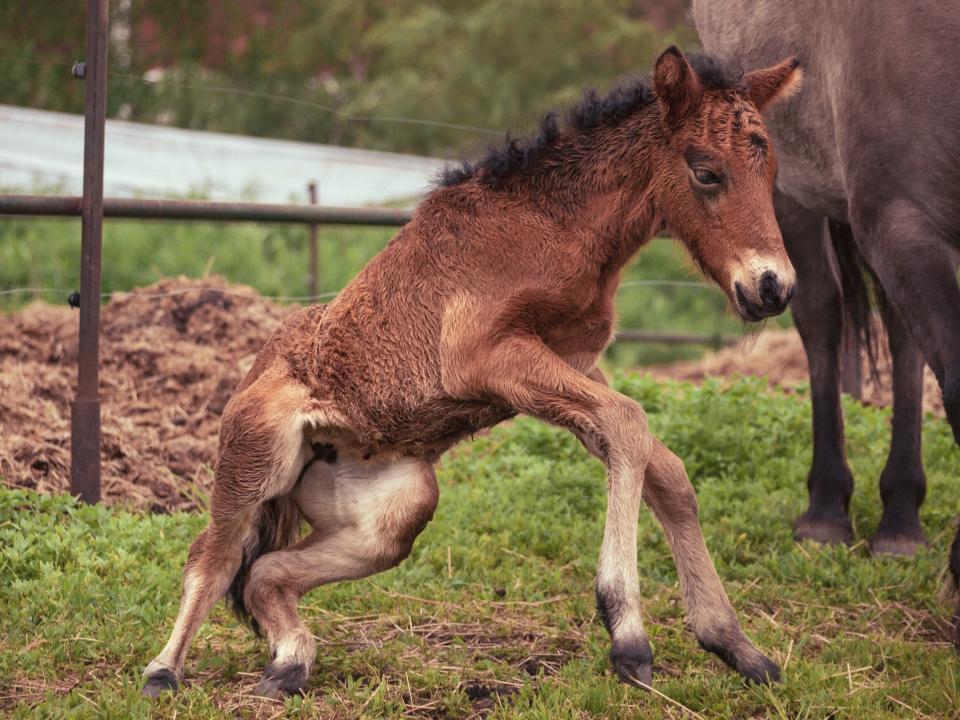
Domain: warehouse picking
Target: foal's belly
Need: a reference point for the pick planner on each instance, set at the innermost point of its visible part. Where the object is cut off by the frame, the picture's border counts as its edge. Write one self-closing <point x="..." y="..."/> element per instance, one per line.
<point x="424" y="432"/>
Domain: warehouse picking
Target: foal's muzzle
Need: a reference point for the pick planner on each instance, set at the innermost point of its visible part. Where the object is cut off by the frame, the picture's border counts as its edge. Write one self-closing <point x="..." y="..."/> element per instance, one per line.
<point x="769" y="296"/>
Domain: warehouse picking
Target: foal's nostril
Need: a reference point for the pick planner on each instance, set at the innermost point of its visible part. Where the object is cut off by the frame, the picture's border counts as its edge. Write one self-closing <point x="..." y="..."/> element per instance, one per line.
<point x="770" y="290"/>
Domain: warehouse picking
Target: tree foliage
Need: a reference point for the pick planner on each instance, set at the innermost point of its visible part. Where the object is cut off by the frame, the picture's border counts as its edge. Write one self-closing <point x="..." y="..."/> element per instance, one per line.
<point x="216" y="65"/>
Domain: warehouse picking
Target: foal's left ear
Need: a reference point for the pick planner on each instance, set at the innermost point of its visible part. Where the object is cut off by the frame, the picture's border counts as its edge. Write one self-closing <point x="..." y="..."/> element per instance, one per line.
<point x="765" y="87"/>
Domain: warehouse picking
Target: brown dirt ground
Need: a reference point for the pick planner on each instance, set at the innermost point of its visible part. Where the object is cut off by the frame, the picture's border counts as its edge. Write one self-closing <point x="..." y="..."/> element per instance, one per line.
<point x="778" y="355"/>
<point x="169" y="364"/>
<point x="172" y="354"/>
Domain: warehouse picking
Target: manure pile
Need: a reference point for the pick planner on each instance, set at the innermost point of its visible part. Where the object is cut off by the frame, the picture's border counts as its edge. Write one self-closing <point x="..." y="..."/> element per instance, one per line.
<point x="171" y="354"/>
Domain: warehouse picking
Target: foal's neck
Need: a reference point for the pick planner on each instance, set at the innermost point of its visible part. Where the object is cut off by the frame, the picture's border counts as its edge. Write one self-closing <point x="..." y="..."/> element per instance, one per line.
<point x="599" y="181"/>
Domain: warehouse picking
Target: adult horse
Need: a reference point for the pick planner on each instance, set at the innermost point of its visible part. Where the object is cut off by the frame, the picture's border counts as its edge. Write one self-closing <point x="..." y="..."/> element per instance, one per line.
<point x="871" y="145"/>
<point x="496" y="299"/>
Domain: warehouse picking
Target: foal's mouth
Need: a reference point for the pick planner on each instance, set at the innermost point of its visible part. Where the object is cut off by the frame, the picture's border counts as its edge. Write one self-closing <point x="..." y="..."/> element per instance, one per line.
<point x="749" y="311"/>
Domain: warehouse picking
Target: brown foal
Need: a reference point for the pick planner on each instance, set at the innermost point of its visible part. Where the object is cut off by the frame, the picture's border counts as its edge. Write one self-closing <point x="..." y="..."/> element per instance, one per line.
<point x="496" y="299"/>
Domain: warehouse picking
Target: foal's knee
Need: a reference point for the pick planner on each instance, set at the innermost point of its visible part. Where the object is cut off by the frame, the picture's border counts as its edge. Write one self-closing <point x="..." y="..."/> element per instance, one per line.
<point x="623" y="435"/>
<point x="667" y="488"/>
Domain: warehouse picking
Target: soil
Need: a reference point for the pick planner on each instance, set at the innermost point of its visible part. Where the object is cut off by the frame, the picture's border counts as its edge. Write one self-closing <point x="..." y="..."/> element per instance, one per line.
<point x="778" y="355"/>
<point x="172" y="354"/>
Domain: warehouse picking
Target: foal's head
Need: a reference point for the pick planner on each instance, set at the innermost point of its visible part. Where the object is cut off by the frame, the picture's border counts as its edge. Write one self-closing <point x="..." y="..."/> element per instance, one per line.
<point x="714" y="176"/>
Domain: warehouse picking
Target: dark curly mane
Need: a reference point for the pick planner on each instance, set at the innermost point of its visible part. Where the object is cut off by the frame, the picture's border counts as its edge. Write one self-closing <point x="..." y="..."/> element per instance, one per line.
<point x="594" y="110"/>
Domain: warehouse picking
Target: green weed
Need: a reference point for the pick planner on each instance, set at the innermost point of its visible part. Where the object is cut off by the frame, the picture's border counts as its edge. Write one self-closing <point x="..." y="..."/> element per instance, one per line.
<point x="493" y="613"/>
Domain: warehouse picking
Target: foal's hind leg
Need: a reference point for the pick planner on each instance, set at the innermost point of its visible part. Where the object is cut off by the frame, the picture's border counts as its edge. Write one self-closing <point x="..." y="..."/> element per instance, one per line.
<point x="261" y="453"/>
<point x="903" y="484"/>
<point x="213" y="560"/>
<point x="366" y="516"/>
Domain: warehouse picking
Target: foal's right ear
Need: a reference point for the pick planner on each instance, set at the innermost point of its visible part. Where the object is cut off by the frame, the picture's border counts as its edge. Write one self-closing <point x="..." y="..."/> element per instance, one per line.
<point x="676" y="84"/>
<point x="775" y="83"/>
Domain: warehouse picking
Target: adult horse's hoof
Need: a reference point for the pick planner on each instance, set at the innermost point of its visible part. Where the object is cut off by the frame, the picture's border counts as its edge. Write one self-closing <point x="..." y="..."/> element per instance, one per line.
<point x="633" y="663"/>
<point x="159" y="682"/>
<point x="278" y="681"/>
<point x="824" y="530"/>
<point x="905" y="545"/>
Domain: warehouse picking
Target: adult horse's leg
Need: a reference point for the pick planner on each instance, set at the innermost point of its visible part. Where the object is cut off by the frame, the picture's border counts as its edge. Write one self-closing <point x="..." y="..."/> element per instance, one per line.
<point x="261" y="453"/>
<point x="819" y="315"/>
<point x="366" y="516"/>
<point x="916" y="268"/>
<point x="524" y="374"/>
<point x="903" y="484"/>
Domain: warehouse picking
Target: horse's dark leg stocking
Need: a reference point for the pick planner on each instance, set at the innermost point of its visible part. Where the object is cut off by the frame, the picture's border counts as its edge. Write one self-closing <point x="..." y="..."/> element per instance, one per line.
<point x="818" y="313"/>
<point x="710" y="615"/>
<point x="903" y="484"/>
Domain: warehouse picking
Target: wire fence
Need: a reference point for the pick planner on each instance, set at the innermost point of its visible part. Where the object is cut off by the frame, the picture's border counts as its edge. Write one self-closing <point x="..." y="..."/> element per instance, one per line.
<point x="93" y="207"/>
<point x="300" y="102"/>
<point x="65" y="292"/>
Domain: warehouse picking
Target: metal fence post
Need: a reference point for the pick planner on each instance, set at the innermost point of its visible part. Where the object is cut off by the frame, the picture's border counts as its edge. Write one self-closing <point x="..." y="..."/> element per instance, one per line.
<point x="314" y="249"/>
<point x="85" y="415"/>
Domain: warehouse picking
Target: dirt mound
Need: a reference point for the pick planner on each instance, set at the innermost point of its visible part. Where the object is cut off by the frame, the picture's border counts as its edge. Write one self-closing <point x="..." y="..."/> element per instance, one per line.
<point x="171" y="354"/>
<point x="778" y="355"/>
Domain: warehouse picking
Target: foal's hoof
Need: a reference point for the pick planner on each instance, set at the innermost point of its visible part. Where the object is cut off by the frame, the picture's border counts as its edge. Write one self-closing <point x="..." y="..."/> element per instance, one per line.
<point x="760" y="670"/>
<point x="828" y="531"/>
<point x="633" y="663"/>
<point x="278" y="681"/>
<point x="159" y="682"/>
<point x="743" y="657"/>
<point x="901" y="544"/>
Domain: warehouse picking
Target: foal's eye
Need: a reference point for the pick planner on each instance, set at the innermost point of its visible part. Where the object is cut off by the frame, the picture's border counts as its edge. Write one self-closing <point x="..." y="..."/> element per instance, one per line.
<point x="706" y="177"/>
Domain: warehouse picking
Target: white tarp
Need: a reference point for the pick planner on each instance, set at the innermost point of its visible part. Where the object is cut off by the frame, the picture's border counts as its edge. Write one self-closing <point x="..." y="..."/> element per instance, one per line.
<point x="43" y="150"/>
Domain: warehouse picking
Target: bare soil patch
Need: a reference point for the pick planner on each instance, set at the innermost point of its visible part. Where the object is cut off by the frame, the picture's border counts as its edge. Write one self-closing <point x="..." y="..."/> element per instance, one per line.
<point x="778" y="355"/>
<point x="171" y="355"/>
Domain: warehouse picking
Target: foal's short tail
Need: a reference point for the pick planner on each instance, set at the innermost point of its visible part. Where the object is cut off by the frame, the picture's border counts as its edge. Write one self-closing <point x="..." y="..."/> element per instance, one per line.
<point x="859" y="285"/>
<point x="277" y="527"/>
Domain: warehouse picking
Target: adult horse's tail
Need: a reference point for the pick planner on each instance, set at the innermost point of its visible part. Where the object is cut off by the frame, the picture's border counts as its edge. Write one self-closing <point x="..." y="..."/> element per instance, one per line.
<point x="277" y="527"/>
<point x="859" y="289"/>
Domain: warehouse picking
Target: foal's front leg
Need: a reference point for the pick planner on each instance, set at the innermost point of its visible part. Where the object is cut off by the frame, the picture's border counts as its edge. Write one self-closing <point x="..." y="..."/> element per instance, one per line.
<point x="525" y="374"/>
<point x="668" y="491"/>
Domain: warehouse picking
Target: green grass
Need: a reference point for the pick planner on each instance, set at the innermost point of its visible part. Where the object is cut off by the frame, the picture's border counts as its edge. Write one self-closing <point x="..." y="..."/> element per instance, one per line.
<point x="273" y="259"/>
<point x="493" y="611"/>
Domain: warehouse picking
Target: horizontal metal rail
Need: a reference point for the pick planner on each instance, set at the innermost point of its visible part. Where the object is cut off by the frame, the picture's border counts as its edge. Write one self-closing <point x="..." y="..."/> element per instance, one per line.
<point x="142" y="209"/>
<point x="67" y="206"/>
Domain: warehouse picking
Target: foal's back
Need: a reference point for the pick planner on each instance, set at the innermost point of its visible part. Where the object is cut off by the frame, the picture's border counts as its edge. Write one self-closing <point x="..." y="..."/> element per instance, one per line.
<point x="374" y="358"/>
